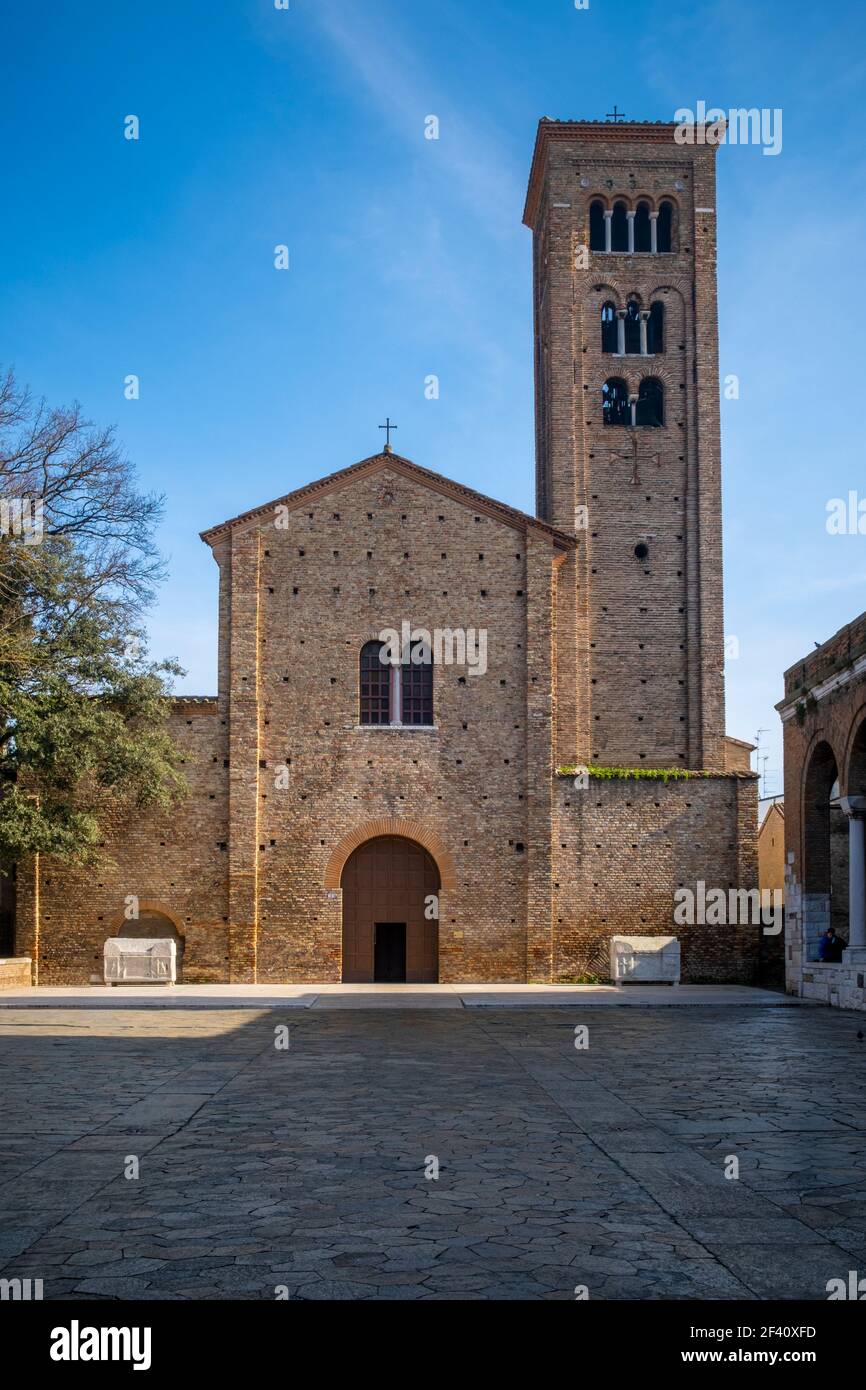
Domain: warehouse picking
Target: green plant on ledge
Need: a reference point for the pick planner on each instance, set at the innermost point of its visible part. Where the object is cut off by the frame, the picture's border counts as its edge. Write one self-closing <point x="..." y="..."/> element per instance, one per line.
<point x="659" y="774"/>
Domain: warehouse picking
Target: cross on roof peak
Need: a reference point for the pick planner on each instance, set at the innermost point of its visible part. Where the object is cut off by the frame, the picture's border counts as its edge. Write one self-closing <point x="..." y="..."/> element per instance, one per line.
<point x="388" y="427"/>
<point x="615" y="115"/>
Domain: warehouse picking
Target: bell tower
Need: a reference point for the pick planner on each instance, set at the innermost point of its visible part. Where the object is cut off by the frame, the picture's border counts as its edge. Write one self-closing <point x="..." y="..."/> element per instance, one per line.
<point x="627" y="430"/>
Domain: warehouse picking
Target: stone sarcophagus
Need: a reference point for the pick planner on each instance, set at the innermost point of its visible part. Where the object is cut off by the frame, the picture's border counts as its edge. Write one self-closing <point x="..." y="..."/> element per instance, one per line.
<point x="140" y="961"/>
<point x="645" y="960"/>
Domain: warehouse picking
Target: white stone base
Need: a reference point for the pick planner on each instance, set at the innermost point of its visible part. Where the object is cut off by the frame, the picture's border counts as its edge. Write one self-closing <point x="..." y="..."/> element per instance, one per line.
<point x="842" y="985"/>
<point x="645" y="960"/>
<point x="130" y="960"/>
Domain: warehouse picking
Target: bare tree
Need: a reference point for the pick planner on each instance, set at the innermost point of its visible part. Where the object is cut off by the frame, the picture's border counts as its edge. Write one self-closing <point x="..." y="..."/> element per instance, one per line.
<point x="88" y="491"/>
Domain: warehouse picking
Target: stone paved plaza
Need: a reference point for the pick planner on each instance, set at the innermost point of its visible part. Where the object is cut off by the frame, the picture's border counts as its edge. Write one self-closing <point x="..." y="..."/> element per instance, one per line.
<point x="305" y="1167"/>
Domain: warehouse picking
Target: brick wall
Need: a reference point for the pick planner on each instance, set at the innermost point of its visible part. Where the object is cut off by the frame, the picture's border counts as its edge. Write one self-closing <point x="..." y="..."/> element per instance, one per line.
<point x="823" y="713"/>
<point x="173" y="862"/>
<point x="622" y="849"/>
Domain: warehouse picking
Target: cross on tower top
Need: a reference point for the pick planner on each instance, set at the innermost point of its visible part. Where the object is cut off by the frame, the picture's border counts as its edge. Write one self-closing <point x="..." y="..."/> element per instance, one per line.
<point x="388" y="427"/>
<point x="615" y="115"/>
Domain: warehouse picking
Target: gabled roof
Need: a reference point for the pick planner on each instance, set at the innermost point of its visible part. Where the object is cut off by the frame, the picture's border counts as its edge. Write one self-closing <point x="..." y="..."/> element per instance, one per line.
<point x="394" y="463"/>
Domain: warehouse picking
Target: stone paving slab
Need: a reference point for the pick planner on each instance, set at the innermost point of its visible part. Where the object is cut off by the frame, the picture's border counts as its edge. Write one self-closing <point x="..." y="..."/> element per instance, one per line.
<point x="339" y="996"/>
<point x="307" y="1169"/>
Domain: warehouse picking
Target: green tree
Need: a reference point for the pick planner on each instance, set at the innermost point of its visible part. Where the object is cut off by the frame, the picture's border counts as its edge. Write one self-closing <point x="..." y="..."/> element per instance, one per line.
<point x="83" y="711"/>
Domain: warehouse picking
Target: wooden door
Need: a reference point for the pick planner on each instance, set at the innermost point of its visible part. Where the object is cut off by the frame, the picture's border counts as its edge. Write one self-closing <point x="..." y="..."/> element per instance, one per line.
<point x="389" y="880"/>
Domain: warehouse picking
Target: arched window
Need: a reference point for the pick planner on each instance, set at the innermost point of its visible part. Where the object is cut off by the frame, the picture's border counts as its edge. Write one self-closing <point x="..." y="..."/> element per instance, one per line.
<point x="608" y="327"/>
<point x="655" y="334"/>
<point x="375" y="684"/>
<point x="665" y="228"/>
<point x="396" y="692"/>
<point x="642" y="239"/>
<point x="614" y="402"/>
<point x="619" y="228"/>
<point x="596" y="225"/>
<point x="651" y="402"/>
<point x="632" y="327"/>
<point x="417" y="685"/>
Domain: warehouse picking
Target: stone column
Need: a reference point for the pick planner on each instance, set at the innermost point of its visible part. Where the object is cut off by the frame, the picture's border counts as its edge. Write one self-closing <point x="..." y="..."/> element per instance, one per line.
<point x="608" y="229"/>
<point x="630" y="216"/>
<point x="654" y="231"/>
<point x="855" y="808"/>
<point x="632" y="403"/>
<point x="644" y="321"/>
<point x="620" y="331"/>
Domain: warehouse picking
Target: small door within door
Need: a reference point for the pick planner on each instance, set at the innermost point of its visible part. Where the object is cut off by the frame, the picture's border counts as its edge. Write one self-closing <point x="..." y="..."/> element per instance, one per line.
<point x="389" y="953"/>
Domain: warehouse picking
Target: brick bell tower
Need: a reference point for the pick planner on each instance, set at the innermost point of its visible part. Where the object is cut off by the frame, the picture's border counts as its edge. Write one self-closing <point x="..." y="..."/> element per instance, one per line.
<point x="627" y="431"/>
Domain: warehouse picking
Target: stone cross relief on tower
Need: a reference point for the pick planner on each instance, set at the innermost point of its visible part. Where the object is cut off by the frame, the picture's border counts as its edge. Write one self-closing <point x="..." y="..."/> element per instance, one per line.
<point x="634" y="455"/>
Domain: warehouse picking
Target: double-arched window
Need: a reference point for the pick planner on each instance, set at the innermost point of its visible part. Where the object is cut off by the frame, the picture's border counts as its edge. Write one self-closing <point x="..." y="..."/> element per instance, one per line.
<point x="614" y="402"/>
<point x="646" y="409"/>
<point x="396" y="692"/>
<point x="651" y="403"/>
<point x="622" y="230"/>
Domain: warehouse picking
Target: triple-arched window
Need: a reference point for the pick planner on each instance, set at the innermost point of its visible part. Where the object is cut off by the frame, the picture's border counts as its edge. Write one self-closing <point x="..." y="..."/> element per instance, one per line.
<point x="646" y="409"/>
<point x="627" y="231"/>
<point x="396" y="691"/>
<point x="633" y="331"/>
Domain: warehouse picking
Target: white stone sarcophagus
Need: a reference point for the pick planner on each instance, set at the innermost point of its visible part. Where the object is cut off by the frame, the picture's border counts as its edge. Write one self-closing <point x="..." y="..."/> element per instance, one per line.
<point x="645" y="960"/>
<point x="132" y="960"/>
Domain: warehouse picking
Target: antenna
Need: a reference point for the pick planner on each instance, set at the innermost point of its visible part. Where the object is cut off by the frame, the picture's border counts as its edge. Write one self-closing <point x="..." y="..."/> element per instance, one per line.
<point x="759" y="755"/>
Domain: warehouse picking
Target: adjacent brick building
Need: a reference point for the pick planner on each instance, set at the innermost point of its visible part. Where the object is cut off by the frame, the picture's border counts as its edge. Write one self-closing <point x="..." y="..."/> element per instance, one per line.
<point x="824" y="724"/>
<point x="440" y="820"/>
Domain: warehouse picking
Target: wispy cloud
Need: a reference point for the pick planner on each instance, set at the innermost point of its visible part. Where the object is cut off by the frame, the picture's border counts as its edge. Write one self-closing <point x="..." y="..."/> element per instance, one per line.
<point x="405" y="93"/>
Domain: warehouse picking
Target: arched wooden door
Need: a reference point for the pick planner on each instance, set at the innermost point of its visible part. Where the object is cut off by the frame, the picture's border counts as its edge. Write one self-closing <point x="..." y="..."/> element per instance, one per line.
<point x="386" y="884"/>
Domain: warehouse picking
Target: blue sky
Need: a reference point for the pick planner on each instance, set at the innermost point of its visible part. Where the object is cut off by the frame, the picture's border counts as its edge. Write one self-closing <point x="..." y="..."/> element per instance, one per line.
<point x="305" y="127"/>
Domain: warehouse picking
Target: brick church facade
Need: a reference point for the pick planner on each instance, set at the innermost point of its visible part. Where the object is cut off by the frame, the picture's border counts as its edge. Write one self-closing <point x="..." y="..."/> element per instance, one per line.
<point x="354" y="820"/>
